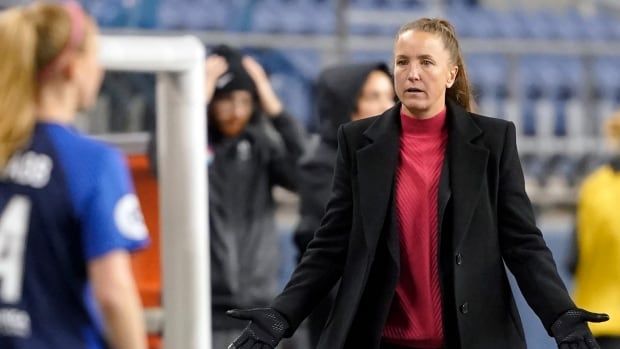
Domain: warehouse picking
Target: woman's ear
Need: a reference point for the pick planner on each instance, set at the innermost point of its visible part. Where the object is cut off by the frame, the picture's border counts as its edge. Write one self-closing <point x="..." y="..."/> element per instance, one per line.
<point x="70" y="71"/>
<point x="452" y="76"/>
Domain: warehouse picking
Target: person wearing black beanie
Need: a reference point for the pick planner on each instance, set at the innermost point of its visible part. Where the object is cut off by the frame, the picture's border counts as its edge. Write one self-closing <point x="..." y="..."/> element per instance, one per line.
<point x="253" y="145"/>
<point x="234" y="78"/>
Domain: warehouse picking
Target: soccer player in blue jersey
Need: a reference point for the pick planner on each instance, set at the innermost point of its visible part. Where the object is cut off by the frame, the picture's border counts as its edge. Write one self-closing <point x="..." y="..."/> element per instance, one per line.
<point x="68" y="214"/>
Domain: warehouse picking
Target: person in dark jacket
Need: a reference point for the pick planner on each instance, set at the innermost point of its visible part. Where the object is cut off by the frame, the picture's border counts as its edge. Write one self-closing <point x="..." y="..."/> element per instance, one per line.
<point x="253" y="145"/>
<point x="344" y="93"/>
<point x="428" y="203"/>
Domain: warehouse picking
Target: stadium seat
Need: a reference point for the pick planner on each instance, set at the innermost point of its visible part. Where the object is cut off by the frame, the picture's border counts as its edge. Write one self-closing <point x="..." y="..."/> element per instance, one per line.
<point x="110" y="13"/>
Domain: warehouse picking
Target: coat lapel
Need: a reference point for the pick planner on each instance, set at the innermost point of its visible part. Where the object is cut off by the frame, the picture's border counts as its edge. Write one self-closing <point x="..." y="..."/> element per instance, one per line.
<point x="468" y="162"/>
<point x="376" y="165"/>
<point x="461" y="179"/>
<point x="445" y="191"/>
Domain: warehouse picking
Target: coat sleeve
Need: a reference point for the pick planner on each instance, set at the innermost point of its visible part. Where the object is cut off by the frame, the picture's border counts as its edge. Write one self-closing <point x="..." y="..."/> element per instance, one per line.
<point x="283" y="163"/>
<point x="323" y="261"/>
<point x="523" y="247"/>
<point x="314" y="192"/>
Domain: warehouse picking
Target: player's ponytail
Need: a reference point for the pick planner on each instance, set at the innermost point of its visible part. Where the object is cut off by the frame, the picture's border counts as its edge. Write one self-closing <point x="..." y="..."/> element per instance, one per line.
<point x="32" y="38"/>
<point x="18" y="43"/>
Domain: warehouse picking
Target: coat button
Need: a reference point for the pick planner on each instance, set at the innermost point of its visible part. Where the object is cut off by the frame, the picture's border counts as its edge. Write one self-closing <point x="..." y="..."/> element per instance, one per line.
<point x="459" y="259"/>
<point x="464" y="308"/>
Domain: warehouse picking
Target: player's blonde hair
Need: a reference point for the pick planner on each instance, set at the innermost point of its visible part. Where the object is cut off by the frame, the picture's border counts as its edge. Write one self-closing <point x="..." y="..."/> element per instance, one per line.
<point x="31" y="38"/>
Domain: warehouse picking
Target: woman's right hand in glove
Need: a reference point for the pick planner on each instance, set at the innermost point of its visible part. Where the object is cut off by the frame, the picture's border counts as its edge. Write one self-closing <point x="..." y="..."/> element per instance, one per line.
<point x="265" y="330"/>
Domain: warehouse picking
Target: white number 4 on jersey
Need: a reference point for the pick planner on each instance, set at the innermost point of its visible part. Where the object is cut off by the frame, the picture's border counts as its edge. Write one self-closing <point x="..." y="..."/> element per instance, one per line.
<point x="13" y="228"/>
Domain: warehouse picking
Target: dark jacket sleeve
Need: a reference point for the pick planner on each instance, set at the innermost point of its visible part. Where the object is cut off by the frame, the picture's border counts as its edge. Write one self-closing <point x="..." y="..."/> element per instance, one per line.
<point x="314" y="191"/>
<point x="523" y="247"/>
<point x="283" y="162"/>
<point x="323" y="261"/>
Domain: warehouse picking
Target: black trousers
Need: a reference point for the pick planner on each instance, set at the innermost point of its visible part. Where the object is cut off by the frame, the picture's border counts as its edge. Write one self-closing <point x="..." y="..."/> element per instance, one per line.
<point x="608" y="342"/>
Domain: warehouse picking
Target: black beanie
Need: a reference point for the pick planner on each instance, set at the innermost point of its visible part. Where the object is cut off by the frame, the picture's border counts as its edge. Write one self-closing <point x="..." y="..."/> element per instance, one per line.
<point x="236" y="77"/>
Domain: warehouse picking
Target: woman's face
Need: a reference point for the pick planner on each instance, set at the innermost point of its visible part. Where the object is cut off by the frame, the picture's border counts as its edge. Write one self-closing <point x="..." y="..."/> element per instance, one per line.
<point x="376" y="96"/>
<point x="423" y="71"/>
<point x="88" y="72"/>
<point x="232" y="112"/>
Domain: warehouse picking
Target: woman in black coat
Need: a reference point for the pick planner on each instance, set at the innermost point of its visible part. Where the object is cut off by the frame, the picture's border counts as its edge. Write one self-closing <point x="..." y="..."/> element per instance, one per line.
<point x="428" y="203"/>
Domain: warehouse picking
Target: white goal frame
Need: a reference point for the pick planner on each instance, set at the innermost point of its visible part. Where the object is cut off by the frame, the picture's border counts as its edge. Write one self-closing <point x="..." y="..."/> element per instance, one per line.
<point x="182" y="173"/>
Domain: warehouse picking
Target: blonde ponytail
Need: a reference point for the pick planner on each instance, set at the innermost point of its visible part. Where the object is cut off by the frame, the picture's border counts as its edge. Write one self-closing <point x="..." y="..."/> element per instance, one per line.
<point x="31" y="38"/>
<point x="18" y="45"/>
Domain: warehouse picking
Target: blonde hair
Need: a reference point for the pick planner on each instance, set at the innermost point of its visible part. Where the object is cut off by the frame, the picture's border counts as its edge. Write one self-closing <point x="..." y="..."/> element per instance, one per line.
<point x="31" y="38"/>
<point x="461" y="91"/>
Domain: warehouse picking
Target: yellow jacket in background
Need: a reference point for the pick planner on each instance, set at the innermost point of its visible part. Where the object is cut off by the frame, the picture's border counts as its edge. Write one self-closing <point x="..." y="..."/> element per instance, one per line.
<point x="597" y="280"/>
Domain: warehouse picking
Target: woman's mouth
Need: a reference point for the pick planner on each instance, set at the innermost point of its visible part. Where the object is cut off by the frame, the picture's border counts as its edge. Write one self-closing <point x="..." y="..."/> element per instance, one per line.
<point x="414" y="90"/>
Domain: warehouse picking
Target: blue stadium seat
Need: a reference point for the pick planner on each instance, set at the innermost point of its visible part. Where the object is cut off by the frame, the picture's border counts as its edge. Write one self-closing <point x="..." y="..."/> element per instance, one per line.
<point x="607" y="75"/>
<point x="202" y="15"/>
<point x="372" y="56"/>
<point x="170" y="16"/>
<point x="536" y="78"/>
<point x="295" y="17"/>
<point x="267" y="18"/>
<point x="369" y="4"/>
<point x="322" y="18"/>
<point x="483" y="24"/>
<point x="611" y="24"/>
<point x="460" y="17"/>
<point x="509" y="24"/>
<point x="489" y="79"/>
<point x="110" y="13"/>
<point x="537" y="25"/>
<point x="567" y="26"/>
<point x="193" y="15"/>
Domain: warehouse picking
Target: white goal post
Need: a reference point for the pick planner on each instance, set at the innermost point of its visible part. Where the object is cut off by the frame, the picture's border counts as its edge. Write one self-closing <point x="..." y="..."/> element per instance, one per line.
<point x="181" y="136"/>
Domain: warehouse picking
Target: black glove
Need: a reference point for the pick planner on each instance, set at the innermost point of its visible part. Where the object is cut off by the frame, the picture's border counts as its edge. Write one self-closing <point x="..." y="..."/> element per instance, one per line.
<point x="571" y="330"/>
<point x="265" y="330"/>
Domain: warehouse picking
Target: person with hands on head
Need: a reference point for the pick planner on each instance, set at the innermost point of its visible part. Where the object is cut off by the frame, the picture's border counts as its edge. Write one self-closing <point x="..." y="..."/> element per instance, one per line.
<point x="247" y="159"/>
<point x="69" y="217"/>
<point x="428" y="204"/>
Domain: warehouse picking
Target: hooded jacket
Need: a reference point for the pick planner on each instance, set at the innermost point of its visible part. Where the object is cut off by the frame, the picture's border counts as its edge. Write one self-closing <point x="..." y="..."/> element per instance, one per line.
<point x="338" y="89"/>
<point x="244" y="241"/>
<point x="242" y="173"/>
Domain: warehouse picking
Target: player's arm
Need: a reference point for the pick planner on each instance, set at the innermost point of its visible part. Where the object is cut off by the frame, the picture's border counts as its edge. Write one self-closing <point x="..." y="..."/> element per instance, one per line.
<point x="112" y="228"/>
<point x="117" y="296"/>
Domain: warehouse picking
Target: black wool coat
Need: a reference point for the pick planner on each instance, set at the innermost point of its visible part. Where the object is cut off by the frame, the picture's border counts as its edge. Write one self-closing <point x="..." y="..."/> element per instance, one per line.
<point x="486" y="220"/>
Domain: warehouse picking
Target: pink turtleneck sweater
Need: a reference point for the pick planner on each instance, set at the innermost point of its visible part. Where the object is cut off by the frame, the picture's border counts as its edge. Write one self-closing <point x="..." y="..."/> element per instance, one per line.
<point x="415" y="318"/>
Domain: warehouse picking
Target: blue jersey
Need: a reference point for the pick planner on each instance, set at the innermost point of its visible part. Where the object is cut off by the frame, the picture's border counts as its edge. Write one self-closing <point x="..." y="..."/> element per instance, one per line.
<point x="64" y="201"/>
